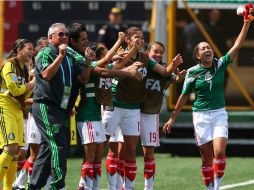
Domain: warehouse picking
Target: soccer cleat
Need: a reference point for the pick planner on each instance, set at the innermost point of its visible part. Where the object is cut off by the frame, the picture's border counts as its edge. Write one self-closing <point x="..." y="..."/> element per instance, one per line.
<point x="81" y="188"/>
<point x="210" y="186"/>
<point x="217" y="182"/>
<point x="19" y="188"/>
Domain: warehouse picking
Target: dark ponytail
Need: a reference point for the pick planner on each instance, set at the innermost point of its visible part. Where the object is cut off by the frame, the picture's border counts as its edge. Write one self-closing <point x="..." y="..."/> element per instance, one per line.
<point x="18" y="44"/>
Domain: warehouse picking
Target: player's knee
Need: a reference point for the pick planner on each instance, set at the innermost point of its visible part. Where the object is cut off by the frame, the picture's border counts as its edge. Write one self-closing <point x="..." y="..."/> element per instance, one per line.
<point x="14" y="148"/>
<point x="148" y="153"/>
<point x="219" y="154"/>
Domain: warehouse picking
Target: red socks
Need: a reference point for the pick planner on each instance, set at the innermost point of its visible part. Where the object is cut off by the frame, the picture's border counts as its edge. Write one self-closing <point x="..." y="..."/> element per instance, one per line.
<point x="208" y="174"/>
<point x="130" y="170"/>
<point x="120" y="167"/>
<point x="111" y="163"/>
<point x="149" y="168"/>
<point x="219" y="165"/>
<point x="87" y="170"/>
<point x="29" y="166"/>
<point x="97" y="169"/>
<point x="21" y="164"/>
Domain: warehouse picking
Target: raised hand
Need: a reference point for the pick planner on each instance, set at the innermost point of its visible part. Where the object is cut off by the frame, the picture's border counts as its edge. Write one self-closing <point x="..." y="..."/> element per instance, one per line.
<point x="121" y="36"/>
<point x="178" y="60"/>
<point x="119" y="57"/>
<point x="90" y="54"/>
<point x="62" y="49"/>
<point x="181" y="74"/>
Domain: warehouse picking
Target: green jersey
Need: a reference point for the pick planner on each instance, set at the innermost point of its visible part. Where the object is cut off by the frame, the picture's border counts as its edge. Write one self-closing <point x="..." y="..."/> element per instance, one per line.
<point x="91" y="109"/>
<point x="150" y="65"/>
<point x="207" y="84"/>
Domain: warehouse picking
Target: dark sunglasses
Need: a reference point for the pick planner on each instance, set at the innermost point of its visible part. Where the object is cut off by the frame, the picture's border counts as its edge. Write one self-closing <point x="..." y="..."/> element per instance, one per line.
<point x="62" y="34"/>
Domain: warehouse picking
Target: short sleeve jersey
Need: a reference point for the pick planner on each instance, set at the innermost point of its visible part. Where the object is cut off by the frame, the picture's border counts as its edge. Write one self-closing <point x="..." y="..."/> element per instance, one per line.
<point x="91" y="110"/>
<point x="11" y="85"/>
<point x="207" y="84"/>
<point x="52" y="91"/>
<point x="118" y="103"/>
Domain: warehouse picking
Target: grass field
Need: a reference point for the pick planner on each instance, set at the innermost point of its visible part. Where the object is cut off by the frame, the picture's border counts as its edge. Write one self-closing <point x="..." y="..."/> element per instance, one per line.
<point x="175" y="173"/>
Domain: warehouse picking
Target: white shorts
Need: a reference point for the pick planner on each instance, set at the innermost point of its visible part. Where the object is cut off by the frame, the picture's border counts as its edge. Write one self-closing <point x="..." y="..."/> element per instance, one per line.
<point x="91" y="132"/>
<point x="209" y="125"/>
<point x="25" y="136"/>
<point x="127" y="119"/>
<point x="117" y="136"/>
<point x="149" y="130"/>
<point x="33" y="133"/>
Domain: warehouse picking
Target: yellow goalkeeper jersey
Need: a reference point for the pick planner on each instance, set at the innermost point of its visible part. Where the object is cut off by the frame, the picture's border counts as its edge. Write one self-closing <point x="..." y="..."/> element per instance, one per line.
<point x="12" y="83"/>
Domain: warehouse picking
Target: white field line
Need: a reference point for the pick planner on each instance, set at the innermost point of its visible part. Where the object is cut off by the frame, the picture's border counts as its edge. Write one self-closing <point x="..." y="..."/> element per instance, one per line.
<point x="237" y="185"/>
<point x="232" y="185"/>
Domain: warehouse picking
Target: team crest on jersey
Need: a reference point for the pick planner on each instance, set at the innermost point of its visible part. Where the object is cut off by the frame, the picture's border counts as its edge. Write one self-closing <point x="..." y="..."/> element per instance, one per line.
<point x="11" y="136"/>
<point x="208" y="76"/>
<point x="14" y="77"/>
<point x="55" y="129"/>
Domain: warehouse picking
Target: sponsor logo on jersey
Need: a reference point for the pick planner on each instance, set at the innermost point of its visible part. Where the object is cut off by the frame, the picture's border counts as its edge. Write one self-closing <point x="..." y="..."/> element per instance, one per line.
<point x="33" y="135"/>
<point x="11" y="136"/>
<point x="143" y="71"/>
<point x="105" y="83"/>
<point x="153" y="84"/>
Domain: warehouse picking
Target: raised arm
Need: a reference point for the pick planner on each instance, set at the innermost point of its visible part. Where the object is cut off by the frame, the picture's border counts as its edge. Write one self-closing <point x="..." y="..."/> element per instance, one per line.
<point x="105" y="60"/>
<point x="179" y="105"/>
<point x="240" y="39"/>
<point x="180" y="75"/>
<point x="178" y="60"/>
<point x="131" y="72"/>
<point x="52" y="69"/>
<point x="120" y="64"/>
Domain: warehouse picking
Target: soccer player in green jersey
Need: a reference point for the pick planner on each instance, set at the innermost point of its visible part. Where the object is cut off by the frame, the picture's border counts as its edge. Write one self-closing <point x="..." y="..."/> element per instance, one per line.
<point x="206" y="80"/>
<point x="127" y="96"/>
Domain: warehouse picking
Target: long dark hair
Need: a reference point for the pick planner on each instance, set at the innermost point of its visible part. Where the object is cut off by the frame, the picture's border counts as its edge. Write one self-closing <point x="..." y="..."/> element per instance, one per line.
<point x="18" y="44"/>
<point x="196" y="60"/>
<point x="195" y="51"/>
<point x="153" y="43"/>
<point x="98" y="49"/>
<point x="128" y="33"/>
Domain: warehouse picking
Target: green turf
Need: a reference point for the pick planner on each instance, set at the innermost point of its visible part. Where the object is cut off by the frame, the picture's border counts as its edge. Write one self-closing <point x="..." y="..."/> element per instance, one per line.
<point x="175" y="173"/>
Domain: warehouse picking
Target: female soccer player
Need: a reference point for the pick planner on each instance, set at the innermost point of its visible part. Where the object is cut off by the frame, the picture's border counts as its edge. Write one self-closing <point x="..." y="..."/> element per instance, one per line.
<point x="32" y="133"/>
<point x="150" y="109"/>
<point x="206" y="79"/>
<point x="89" y="112"/>
<point x="15" y="88"/>
<point x="127" y="96"/>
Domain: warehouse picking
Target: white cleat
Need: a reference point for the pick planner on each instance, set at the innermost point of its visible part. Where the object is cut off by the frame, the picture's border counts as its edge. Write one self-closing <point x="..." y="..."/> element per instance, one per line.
<point x="217" y="182"/>
<point x="210" y="186"/>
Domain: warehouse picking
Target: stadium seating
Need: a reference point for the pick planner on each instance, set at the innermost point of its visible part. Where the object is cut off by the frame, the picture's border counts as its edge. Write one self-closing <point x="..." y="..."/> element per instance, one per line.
<point x="31" y="19"/>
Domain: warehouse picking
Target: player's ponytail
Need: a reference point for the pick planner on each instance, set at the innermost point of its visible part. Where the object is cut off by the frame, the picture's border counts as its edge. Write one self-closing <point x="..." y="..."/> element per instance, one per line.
<point x="194" y="54"/>
<point x="18" y="44"/>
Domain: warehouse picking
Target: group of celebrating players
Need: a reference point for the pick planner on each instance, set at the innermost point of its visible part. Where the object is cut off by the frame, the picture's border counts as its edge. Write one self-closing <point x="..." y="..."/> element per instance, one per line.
<point x="116" y="95"/>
